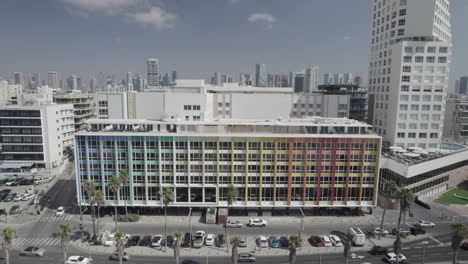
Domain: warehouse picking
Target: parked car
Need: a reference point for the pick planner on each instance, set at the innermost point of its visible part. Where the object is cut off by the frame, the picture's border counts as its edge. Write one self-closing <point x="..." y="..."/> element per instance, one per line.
<point x="257" y="222"/>
<point x="60" y="211"/>
<point x="170" y="240"/>
<point x="10" y="197"/>
<point x="11" y="183"/>
<point x="26" y="182"/>
<point x="156" y="241"/>
<point x="391" y="258"/>
<point x="187" y="242"/>
<point x="316" y="241"/>
<point x="284" y="242"/>
<point x="233" y="224"/>
<point x="110" y="240"/>
<point x="246" y="257"/>
<point x="115" y="257"/>
<point x="3" y="196"/>
<point x="242" y="242"/>
<point x="18" y="197"/>
<point x="326" y="241"/>
<point x="417" y="231"/>
<point x="376" y="231"/>
<point x="133" y="241"/>
<point x="209" y="241"/>
<point x="262" y="242"/>
<point x="378" y="250"/>
<point x="78" y="260"/>
<point x="424" y="224"/>
<point x="404" y="231"/>
<point x="336" y="241"/>
<point x="27" y="197"/>
<point x="274" y="242"/>
<point x="15" y="209"/>
<point x="33" y="251"/>
<point x="464" y="245"/>
<point x="145" y="241"/>
<point x="220" y="240"/>
<point x="199" y="239"/>
<point x="5" y="191"/>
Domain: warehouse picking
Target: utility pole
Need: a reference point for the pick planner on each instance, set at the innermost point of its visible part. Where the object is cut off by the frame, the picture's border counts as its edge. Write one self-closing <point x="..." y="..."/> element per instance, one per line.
<point x="424" y="250"/>
<point x="190" y="228"/>
<point x="301" y="230"/>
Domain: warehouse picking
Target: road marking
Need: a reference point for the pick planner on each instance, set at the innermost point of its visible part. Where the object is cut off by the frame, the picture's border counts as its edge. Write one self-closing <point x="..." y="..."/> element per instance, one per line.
<point x="436" y="240"/>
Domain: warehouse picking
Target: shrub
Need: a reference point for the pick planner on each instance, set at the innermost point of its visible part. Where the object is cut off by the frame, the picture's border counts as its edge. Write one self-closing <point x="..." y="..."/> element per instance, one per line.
<point x="421" y="203"/>
<point x="130" y="218"/>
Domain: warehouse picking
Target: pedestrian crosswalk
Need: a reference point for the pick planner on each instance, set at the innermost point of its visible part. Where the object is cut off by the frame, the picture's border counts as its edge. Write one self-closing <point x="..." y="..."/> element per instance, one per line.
<point x="53" y="218"/>
<point x="42" y="241"/>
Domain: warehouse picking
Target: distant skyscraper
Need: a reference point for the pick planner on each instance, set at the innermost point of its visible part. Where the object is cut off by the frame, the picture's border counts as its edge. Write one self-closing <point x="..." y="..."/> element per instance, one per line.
<point x="35" y="80"/>
<point x="457" y="86"/>
<point x="299" y="83"/>
<point x="463" y="85"/>
<point x="311" y="79"/>
<point x="174" y="77"/>
<point x="243" y="79"/>
<point x="348" y="78"/>
<point x="216" y="79"/>
<point x="139" y="83"/>
<point x="358" y="80"/>
<point x="129" y="82"/>
<point x="79" y="84"/>
<point x="327" y="78"/>
<point x="19" y="78"/>
<point x="72" y="82"/>
<point x="338" y="78"/>
<point x="292" y="76"/>
<point x="166" y="80"/>
<point x="53" y="79"/>
<point x="260" y="75"/>
<point x="152" y="72"/>
<point x="61" y="84"/>
<point x="92" y="85"/>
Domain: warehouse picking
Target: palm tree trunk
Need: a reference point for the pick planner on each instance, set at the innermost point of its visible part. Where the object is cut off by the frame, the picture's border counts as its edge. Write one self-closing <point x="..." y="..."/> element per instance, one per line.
<point x="93" y="216"/>
<point x="115" y="216"/>
<point x="7" y="255"/>
<point x="234" y="254"/>
<point x="126" y="209"/>
<point x="64" y="253"/>
<point x="225" y="230"/>
<point x="382" y="222"/>
<point x="454" y="260"/>
<point x="397" y="250"/>
<point x="165" y="227"/>
<point x="97" y="219"/>
<point x="292" y="254"/>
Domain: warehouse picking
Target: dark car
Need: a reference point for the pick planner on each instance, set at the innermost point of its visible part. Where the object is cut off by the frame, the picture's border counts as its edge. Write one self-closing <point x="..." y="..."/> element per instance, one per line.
<point x="7" y="191"/>
<point x="15" y="209"/>
<point x="404" y="231"/>
<point x="284" y="242"/>
<point x="115" y="257"/>
<point x="187" y="241"/>
<point x="170" y="241"/>
<point x="3" y="196"/>
<point x="316" y="241"/>
<point x="246" y="257"/>
<point x="145" y="241"/>
<point x="417" y="231"/>
<point x="464" y="246"/>
<point x="377" y="250"/>
<point x="133" y="241"/>
<point x="10" y="197"/>
<point x="2" y="182"/>
<point x="26" y="182"/>
<point x="189" y="261"/>
<point x="220" y="240"/>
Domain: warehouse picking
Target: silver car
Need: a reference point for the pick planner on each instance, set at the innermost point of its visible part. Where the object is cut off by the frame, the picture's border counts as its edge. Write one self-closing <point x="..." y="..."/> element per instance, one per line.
<point x="33" y="251"/>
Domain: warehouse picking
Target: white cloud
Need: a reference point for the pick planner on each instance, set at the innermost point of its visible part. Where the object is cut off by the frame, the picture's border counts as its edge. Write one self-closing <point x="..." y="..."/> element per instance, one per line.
<point x="266" y="18"/>
<point x="156" y="17"/>
<point x="106" y="6"/>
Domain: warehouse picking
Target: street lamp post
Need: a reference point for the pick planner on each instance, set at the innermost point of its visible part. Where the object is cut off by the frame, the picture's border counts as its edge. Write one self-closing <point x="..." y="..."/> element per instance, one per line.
<point x="301" y="230"/>
<point x="424" y="250"/>
<point x="190" y="228"/>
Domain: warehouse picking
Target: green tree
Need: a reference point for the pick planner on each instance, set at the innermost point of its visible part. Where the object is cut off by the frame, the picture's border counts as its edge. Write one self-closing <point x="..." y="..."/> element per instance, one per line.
<point x="406" y="198"/>
<point x="390" y="188"/>
<point x="397" y="244"/>
<point x="8" y="234"/>
<point x="178" y="240"/>
<point x="98" y="199"/>
<point x="234" y="241"/>
<point x="232" y="193"/>
<point x="66" y="230"/>
<point x="348" y="244"/>
<point x="114" y="185"/>
<point x="89" y="188"/>
<point x="460" y="232"/>
<point x="294" y="243"/>
<point x="167" y="197"/>
<point x="124" y="178"/>
<point x="120" y="245"/>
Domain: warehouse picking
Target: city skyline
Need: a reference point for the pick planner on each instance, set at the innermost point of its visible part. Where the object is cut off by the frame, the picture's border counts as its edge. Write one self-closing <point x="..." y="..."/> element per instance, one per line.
<point x="113" y="38"/>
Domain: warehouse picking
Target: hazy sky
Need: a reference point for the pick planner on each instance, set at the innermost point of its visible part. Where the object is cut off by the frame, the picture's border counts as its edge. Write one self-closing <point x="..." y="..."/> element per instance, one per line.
<point x="195" y="37"/>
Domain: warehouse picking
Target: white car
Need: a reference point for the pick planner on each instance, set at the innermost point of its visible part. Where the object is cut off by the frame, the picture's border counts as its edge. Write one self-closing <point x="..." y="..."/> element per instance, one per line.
<point x="10" y="183"/>
<point x="336" y="241"/>
<point x="423" y="223"/>
<point x="27" y="197"/>
<point x="78" y="260"/>
<point x="18" y="197"/>
<point x="209" y="241"/>
<point x="326" y="241"/>
<point x="356" y="256"/>
<point x="257" y="222"/>
<point x="110" y="240"/>
<point x="262" y="242"/>
<point x="60" y="211"/>
<point x="376" y="231"/>
<point x="156" y="240"/>
<point x="391" y="258"/>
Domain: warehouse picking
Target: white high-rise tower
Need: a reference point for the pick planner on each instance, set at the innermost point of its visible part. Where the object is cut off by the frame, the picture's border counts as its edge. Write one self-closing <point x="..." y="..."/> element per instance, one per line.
<point x="129" y="82"/>
<point x="311" y="79"/>
<point x="53" y="80"/>
<point x="408" y="71"/>
<point x="152" y="71"/>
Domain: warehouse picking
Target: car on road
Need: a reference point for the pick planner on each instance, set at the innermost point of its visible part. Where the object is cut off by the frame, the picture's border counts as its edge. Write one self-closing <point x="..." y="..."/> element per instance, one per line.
<point x="115" y="257"/>
<point x="391" y="257"/>
<point x="78" y="260"/>
<point x="284" y="242"/>
<point x="417" y="231"/>
<point x="209" y="241"/>
<point x="262" y="242"/>
<point x="274" y="242"/>
<point x="326" y="241"/>
<point x="242" y="242"/>
<point x="27" y="197"/>
<point x="255" y="222"/>
<point x="199" y="239"/>
<point x="145" y="241"/>
<point x="110" y="240"/>
<point x="60" y="211"/>
<point x="15" y="209"/>
<point x="33" y="251"/>
<point x="246" y="257"/>
<point x="11" y="182"/>
<point x="378" y="250"/>
<point x="156" y="241"/>
<point x="377" y="231"/>
<point x="336" y="241"/>
<point x="220" y="240"/>
<point x="464" y="245"/>
<point x="404" y="231"/>
<point x="233" y="224"/>
<point x="133" y="241"/>
<point x="170" y="240"/>
<point x="10" y="197"/>
<point x="424" y="224"/>
<point x="316" y="241"/>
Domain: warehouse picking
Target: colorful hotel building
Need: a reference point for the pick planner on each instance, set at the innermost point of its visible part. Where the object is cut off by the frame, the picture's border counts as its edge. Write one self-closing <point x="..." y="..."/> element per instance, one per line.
<point x="314" y="162"/>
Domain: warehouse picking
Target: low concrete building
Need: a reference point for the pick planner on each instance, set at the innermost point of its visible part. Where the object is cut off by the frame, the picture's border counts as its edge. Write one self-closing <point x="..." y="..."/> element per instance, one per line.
<point x="83" y="106"/>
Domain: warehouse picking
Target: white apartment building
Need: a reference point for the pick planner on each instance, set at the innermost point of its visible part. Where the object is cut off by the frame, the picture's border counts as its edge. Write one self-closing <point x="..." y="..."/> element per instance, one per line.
<point x="408" y="71"/>
<point x="9" y="91"/>
<point x="311" y="79"/>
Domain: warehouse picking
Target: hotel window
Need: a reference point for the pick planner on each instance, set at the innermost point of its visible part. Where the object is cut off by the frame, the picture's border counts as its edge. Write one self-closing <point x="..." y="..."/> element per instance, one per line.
<point x="167" y="167"/>
<point x="400" y="135"/>
<point x="405" y="78"/>
<point x="406" y="68"/>
<point x="225" y="145"/>
<point x="430" y="59"/>
<point x="166" y="145"/>
<point x="431" y="49"/>
<point x="239" y="145"/>
<point x="181" y="145"/>
<point x="411" y="135"/>
<point x="402" y="22"/>
<point x="199" y="157"/>
<point x="434" y="135"/>
<point x="407" y="59"/>
<point x="254" y="145"/>
<point x="443" y="49"/>
<point x="419" y="59"/>
<point x="196" y="145"/>
<point x="442" y="60"/>
<point x="268" y="145"/>
<point x="209" y="145"/>
<point x="422" y="135"/>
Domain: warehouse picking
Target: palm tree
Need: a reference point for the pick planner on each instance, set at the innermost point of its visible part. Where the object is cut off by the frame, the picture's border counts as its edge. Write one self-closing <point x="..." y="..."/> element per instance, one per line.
<point x="406" y="198"/>
<point x="124" y="178"/>
<point x="98" y="200"/>
<point x="348" y="244"/>
<point x="89" y="189"/>
<point x="168" y="197"/>
<point x="234" y="241"/>
<point x="460" y="232"/>
<point x="178" y="239"/>
<point x="391" y="189"/>
<point x="120" y="245"/>
<point x="232" y="193"/>
<point x="397" y="244"/>
<point x="65" y="234"/>
<point x="114" y="186"/>
<point x="294" y="243"/>
<point x="8" y="234"/>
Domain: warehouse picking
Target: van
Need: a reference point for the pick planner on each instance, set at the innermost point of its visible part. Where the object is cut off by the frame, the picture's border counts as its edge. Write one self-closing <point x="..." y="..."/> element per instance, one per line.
<point x="359" y="238"/>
